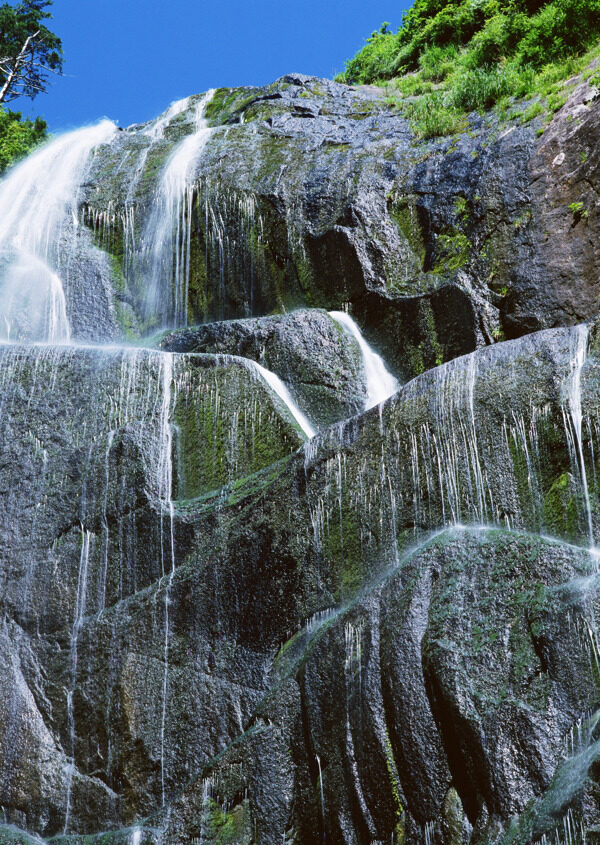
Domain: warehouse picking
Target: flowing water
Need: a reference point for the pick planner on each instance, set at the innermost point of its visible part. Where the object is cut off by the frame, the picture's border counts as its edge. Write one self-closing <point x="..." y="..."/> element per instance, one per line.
<point x="166" y="237"/>
<point x="438" y="471"/>
<point x="381" y="384"/>
<point x="38" y="207"/>
<point x="278" y="387"/>
<point x="573" y="425"/>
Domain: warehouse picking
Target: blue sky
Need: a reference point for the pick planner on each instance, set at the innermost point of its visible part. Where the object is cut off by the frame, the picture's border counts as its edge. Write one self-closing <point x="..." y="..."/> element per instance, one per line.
<point x="128" y="59"/>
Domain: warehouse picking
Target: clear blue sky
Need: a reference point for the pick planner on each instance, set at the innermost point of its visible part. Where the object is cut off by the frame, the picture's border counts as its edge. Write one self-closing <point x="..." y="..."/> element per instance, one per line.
<point x="128" y="59"/>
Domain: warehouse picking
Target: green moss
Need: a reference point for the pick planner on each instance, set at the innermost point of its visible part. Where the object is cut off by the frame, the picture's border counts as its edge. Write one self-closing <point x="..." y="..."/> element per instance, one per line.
<point x="453" y="250"/>
<point x="363" y="109"/>
<point x="227" y="827"/>
<point x="461" y="208"/>
<point x="225" y="103"/>
<point x="395" y="785"/>
<point x="560" y="508"/>
<point x="403" y="210"/>
<point x="343" y="550"/>
<point x="227" y="428"/>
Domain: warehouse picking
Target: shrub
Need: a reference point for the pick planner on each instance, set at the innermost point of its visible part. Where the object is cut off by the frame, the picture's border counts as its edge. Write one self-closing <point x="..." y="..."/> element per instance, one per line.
<point x="18" y="137"/>
<point x="436" y="63"/>
<point x="531" y="32"/>
<point x="431" y="116"/>
<point x="374" y="61"/>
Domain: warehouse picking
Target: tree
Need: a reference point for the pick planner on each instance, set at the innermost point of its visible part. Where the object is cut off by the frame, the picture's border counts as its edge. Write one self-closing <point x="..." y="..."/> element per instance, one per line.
<point x="18" y="137"/>
<point x="29" y="51"/>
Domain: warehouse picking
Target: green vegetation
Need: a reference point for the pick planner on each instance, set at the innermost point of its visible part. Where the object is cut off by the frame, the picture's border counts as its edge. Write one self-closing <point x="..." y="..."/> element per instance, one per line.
<point x="29" y="52"/>
<point x="452" y="58"/>
<point x="578" y="211"/>
<point x="18" y="137"/>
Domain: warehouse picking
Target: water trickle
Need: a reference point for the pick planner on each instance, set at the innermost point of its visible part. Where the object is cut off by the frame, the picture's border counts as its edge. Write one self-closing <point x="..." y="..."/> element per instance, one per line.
<point x="38" y="202"/>
<point x="321" y="791"/>
<point x="156" y="129"/>
<point x="166" y="241"/>
<point x="165" y="486"/>
<point x="429" y="833"/>
<point x="277" y="386"/>
<point x="80" y="602"/>
<point x="156" y="132"/>
<point x="381" y="384"/>
<point x="575" y="416"/>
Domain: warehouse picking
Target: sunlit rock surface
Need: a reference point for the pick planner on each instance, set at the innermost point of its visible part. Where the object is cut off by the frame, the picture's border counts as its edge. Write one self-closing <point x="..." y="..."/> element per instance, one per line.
<point x="257" y="585"/>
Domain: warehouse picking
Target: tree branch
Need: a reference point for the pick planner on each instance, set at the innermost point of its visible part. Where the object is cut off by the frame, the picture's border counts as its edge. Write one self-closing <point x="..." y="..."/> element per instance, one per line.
<point x="13" y="72"/>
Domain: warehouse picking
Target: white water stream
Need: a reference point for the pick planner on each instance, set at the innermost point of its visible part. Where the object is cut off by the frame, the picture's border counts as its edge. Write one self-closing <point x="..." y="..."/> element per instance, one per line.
<point x="156" y="130"/>
<point x="38" y="199"/>
<point x="278" y="387"/>
<point x="381" y="384"/>
<point x="165" y="486"/>
<point x="167" y="237"/>
<point x="578" y="357"/>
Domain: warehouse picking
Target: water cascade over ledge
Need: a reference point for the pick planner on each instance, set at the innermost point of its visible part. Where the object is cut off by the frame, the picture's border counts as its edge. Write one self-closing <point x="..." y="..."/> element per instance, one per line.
<point x="254" y="589"/>
<point x="166" y="238"/>
<point x="38" y="210"/>
<point x="381" y="384"/>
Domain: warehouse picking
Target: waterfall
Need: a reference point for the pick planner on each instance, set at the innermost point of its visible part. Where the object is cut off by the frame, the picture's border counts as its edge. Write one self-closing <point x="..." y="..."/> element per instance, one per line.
<point x="165" y="486"/>
<point x="381" y="384"/>
<point x="277" y="386"/>
<point x="156" y="130"/>
<point x="167" y="236"/>
<point x="575" y="417"/>
<point x="77" y="620"/>
<point x="38" y="202"/>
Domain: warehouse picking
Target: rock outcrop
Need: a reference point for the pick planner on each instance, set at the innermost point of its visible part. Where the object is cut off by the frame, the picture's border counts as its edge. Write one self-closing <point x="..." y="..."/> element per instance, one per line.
<point x="218" y="628"/>
<point x="307" y="192"/>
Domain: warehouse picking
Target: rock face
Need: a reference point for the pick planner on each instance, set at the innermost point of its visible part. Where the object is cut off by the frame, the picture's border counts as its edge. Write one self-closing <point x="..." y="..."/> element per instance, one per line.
<point x="307" y="349"/>
<point x="216" y="628"/>
<point x="307" y="192"/>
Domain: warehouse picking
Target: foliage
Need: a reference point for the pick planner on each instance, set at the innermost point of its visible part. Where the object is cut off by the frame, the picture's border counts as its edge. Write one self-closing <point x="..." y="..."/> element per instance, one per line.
<point x="434" y="34"/>
<point x="455" y="57"/>
<point x="29" y="51"/>
<point x="18" y="137"/>
<point x="579" y="211"/>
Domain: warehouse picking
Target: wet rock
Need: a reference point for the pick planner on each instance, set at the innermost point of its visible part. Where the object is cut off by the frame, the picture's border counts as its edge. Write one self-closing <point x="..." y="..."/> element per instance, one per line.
<point x="320" y="363"/>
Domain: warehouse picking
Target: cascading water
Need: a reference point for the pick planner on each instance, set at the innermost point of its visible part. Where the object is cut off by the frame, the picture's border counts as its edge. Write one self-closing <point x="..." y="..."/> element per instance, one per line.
<point x="381" y="384"/>
<point x="166" y="238"/>
<point x="80" y="605"/>
<point x="107" y="417"/>
<point x="165" y="486"/>
<point x="278" y="387"/>
<point x="573" y="425"/>
<point x="38" y="204"/>
<point x="156" y="132"/>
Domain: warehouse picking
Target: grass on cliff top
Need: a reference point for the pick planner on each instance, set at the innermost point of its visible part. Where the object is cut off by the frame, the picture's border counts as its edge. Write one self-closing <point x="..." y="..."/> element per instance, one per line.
<point x="449" y="59"/>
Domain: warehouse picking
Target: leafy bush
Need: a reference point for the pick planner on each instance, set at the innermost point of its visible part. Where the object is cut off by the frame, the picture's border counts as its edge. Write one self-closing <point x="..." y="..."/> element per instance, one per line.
<point x="375" y="60"/>
<point x="451" y="58"/>
<point x="436" y="63"/>
<point x="431" y="116"/>
<point x="531" y="32"/>
<point x="18" y="137"/>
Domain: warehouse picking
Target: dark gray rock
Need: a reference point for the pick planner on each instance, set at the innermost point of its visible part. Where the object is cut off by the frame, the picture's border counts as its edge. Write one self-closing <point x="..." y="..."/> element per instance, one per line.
<point x="174" y="654"/>
<point x="320" y="363"/>
<point x="313" y="193"/>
